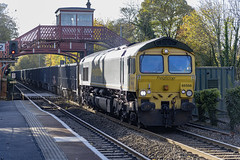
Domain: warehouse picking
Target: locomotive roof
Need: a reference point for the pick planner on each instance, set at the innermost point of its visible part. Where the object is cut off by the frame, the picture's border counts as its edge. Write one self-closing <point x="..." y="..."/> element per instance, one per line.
<point x="131" y="50"/>
<point x="165" y="42"/>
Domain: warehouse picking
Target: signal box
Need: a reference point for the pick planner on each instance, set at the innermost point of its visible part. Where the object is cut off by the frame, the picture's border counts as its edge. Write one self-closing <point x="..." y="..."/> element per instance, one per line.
<point x="75" y="16"/>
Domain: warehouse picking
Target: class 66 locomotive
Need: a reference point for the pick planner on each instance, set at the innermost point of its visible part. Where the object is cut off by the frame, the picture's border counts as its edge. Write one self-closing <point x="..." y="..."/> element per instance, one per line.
<point x="149" y="83"/>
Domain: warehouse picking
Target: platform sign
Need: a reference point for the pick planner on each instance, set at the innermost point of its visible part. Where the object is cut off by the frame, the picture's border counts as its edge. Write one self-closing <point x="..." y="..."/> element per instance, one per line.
<point x="2" y="47"/>
<point x="13" y="75"/>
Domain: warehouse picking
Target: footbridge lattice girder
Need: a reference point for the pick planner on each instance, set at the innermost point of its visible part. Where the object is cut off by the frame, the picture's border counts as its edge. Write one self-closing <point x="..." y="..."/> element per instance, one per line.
<point x="56" y="39"/>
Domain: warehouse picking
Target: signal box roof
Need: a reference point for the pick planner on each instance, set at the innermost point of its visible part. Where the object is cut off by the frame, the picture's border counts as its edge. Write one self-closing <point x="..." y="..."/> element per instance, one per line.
<point x="74" y="9"/>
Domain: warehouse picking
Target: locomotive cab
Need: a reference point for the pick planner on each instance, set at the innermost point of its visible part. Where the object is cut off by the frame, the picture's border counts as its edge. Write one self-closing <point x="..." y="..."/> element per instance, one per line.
<point x="165" y="80"/>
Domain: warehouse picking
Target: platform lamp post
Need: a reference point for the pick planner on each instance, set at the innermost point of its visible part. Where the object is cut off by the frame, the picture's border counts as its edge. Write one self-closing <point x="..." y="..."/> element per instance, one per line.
<point x="2" y="50"/>
<point x="13" y="76"/>
<point x="79" y="98"/>
<point x="13" y="50"/>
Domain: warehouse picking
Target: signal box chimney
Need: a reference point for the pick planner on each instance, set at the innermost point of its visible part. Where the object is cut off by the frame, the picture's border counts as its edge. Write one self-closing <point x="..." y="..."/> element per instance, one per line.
<point x="88" y="5"/>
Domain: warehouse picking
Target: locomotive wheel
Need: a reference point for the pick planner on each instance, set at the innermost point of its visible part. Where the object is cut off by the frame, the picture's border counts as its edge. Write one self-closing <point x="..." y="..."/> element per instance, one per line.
<point x="121" y="118"/>
<point x="130" y="122"/>
<point x="132" y="118"/>
<point x="139" y="125"/>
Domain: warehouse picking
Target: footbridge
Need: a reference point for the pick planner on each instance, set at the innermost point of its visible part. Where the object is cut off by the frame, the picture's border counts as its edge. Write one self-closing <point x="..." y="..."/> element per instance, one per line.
<point x="66" y="39"/>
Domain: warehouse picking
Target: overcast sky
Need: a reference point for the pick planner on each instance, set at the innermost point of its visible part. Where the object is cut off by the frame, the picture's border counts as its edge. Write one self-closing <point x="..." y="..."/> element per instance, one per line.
<point x="30" y="13"/>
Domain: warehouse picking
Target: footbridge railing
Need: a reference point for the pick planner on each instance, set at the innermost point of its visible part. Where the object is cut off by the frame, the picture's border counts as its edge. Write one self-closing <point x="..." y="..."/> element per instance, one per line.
<point x="67" y="38"/>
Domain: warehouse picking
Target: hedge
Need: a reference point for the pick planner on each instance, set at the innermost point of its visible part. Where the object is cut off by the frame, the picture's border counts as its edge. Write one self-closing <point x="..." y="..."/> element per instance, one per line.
<point x="201" y="110"/>
<point x="232" y="100"/>
<point x="206" y="101"/>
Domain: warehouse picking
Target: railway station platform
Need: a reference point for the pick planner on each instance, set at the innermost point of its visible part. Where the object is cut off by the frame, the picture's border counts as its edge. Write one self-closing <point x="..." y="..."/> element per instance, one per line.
<point x="27" y="133"/>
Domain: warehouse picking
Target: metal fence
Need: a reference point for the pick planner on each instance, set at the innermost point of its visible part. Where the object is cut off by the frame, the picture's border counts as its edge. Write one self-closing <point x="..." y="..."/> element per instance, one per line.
<point x="221" y="78"/>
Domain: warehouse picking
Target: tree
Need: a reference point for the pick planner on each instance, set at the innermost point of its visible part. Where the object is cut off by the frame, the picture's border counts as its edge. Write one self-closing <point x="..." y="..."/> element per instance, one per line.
<point x="165" y="16"/>
<point x="212" y="13"/>
<point x="30" y="61"/>
<point x="126" y="25"/>
<point x="235" y="13"/>
<point x="8" y="27"/>
<point x="225" y="21"/>
<point x="199" y="36"/>
<point x="213" y="32"/>
<point x="53" y="60"/>
<point x="144" y="26"/>
<point x="128" y="22"/>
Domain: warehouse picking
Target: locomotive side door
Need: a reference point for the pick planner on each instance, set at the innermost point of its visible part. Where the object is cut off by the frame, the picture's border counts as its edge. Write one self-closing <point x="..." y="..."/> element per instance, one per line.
<point x="121" y="72"/>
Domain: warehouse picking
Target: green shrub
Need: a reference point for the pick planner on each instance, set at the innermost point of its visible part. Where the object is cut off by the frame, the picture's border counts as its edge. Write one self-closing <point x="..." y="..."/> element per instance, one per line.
<point x="209" y="99"/>
<point x="201" y="110"/>
<point x="206" y="101"/>
<point x="233" y="106"/>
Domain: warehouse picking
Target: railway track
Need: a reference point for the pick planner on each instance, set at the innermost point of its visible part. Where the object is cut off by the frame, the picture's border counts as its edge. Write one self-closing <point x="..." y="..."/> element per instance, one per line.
<point x="206" y="147"/>
<point x="108" y="146"/>
<point x="191" y="142"/>
<point x="202" y="146"/>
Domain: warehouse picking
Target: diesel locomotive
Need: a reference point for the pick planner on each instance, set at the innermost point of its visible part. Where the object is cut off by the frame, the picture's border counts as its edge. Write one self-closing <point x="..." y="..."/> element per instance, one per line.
<point x="149" y="83"/>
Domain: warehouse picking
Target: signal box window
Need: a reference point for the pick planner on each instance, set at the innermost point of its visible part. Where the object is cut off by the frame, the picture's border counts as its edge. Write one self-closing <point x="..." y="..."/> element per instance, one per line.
<point x="180" y="64"/>
<point x="84" y="19"/>
<point x="85" y="74"/>
<point x="151" y="64"/>
<point x="68" y="19"/>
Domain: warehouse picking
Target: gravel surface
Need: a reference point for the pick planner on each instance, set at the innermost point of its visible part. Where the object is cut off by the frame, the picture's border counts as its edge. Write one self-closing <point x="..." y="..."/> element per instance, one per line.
<point x="152" y="147"/>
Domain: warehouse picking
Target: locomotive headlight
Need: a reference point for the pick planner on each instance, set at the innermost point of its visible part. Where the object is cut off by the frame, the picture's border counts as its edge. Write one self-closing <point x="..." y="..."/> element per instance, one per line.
<point x="165" y="51"/>
<point x="183" y="91"/>
<point x="149" y="92"/>
<point x="189" y="93"/>
<point x="143" y="93"/>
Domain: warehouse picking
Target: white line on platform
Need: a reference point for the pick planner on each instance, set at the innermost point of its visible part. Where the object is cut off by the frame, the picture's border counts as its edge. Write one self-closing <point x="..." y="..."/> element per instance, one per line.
<point x="68" y="139"/>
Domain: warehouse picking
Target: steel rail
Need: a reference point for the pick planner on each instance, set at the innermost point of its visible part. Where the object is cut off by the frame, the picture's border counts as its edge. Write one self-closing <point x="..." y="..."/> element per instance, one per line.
<point x="128" y="149"/>
<point x="222" y="144"/>
<point x="207" y="128"/>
